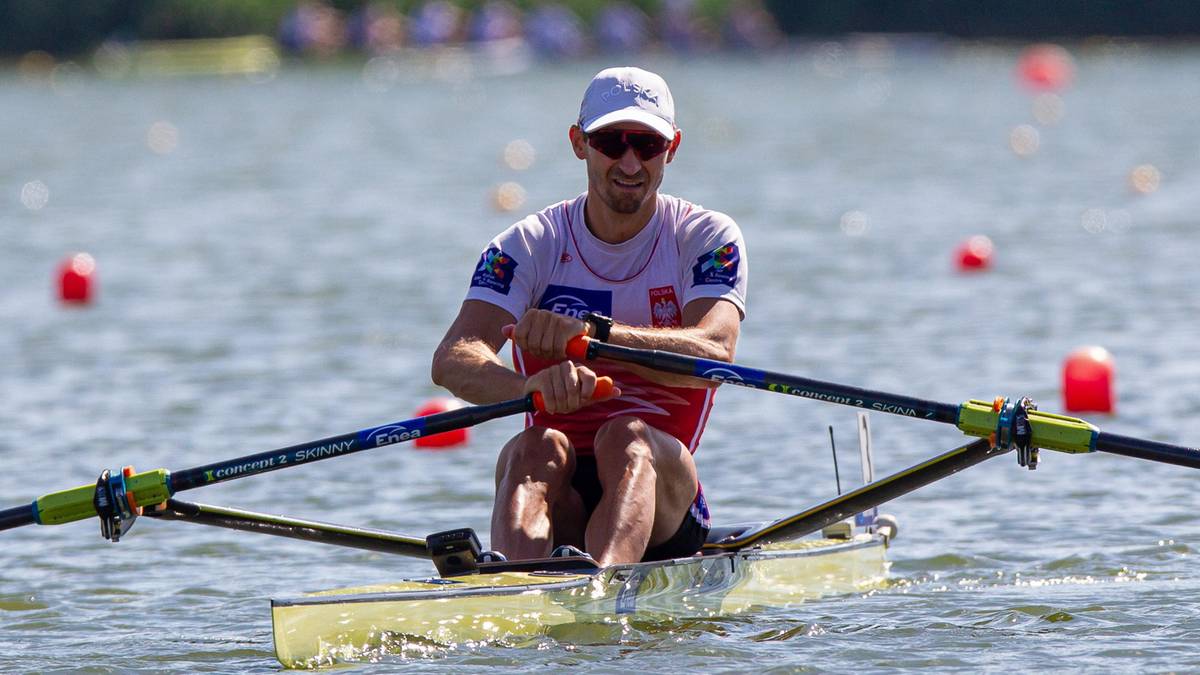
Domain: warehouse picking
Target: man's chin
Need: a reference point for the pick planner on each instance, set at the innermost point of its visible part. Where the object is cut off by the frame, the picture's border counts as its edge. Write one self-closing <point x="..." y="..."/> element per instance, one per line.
<point x="625" y="203"/>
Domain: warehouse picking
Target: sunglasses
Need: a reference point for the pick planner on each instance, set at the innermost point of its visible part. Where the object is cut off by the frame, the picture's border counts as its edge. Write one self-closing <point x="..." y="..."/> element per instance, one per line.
<point x="613" y="143"/>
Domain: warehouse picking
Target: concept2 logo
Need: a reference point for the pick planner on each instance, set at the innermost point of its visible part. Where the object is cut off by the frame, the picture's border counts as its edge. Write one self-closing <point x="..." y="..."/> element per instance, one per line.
<point x="891" y="408"/>
<point x="575" y="301"/>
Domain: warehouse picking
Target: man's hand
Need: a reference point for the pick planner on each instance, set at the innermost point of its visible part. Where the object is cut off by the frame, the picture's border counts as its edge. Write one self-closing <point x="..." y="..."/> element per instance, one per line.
<point x="544" y="334"/>
<point x="566" y="387"/>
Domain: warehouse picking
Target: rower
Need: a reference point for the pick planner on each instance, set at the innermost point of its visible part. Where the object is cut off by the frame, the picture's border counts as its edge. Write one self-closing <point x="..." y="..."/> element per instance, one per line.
<point x="625" y="264"/>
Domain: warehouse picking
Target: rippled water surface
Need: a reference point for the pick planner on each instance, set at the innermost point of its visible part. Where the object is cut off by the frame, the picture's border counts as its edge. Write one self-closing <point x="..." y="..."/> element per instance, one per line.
<point x="283" y="267"/>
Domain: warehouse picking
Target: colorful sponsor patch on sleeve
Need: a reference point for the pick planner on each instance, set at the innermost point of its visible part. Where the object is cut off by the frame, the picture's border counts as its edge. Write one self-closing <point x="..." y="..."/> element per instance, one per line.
<point x="495" y="271"/>
<point x="718" y="266"/>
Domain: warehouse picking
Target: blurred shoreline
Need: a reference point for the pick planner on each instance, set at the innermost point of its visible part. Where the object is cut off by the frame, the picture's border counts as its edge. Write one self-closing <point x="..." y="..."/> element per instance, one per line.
<point x="552" y="30"/>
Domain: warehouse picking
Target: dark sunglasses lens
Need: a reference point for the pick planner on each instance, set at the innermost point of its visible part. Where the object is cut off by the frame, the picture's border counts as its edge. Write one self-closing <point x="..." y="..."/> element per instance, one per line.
<point x="608" y="142"/>
<point x="647" y="146"/>
<point x="614" y="143"/>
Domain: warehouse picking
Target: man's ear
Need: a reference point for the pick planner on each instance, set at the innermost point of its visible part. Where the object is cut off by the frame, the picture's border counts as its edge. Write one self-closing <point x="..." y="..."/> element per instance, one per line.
<point x="674" y="145"/>
<point x="578" y="144"/>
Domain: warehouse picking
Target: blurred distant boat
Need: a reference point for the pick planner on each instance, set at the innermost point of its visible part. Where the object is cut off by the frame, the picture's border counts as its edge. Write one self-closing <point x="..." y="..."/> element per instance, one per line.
<point x="246" y="55"/>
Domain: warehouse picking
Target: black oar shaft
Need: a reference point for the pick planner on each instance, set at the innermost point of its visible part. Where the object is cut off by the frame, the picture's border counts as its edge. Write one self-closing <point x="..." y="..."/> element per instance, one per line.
<point x="156" y="486"/>
<point x="866" y="497"/>
<point x="345" y="444"/>
<point x="1146" y="449"/>
<point x="754" y="378"/>
<point x="17" y="516"/>
<point x="293" y="528"/>
<point x="977" y="418"/>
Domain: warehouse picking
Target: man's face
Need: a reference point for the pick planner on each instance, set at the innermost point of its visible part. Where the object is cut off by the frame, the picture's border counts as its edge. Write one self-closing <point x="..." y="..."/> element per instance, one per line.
<point x="624" y="184"/>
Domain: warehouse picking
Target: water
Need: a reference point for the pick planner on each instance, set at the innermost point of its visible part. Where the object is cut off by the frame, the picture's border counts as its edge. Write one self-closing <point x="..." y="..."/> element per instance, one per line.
<point x="284" y="271"/>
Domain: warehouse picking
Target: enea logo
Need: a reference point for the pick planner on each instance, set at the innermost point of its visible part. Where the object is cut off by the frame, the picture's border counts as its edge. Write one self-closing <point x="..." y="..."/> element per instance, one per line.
<point x="732" y="377"/>
<point x="495" y="271"/>
<point x="718" y="266"/>
<point x="392" y="433"/>
<point x="722" y="375"/>
<point x="575" y="301"/>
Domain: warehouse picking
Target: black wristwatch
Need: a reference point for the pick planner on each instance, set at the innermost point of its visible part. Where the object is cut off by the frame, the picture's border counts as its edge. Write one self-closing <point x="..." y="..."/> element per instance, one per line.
<point x="602" y="324"/>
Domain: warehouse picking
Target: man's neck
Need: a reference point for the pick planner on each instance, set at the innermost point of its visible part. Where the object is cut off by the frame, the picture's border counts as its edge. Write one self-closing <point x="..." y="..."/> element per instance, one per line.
<point x="612" y="227"/>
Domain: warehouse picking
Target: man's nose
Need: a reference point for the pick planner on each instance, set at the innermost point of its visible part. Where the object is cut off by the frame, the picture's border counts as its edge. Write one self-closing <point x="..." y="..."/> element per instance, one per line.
<point x="630" y="163"/>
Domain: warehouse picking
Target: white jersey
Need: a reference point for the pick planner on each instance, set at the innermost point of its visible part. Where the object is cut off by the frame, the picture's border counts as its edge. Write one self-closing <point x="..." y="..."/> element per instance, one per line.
<point x="550" y="260"/>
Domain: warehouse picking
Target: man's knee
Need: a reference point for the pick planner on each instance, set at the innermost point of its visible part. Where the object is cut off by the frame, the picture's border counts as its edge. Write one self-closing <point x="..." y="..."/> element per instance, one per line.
<point x="626" y="439"/>
<point x="539" y="453"/>
<point x="623" y="440"/>
<point x="628" y="442"/>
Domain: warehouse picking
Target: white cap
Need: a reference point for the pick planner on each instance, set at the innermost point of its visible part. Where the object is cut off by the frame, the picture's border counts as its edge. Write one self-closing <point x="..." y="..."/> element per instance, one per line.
<point x="628" y="95"/>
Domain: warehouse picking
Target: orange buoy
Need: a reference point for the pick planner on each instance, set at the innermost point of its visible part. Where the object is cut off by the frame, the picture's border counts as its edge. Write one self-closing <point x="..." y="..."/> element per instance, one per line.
<point x="75" y="277"/>
<point x="446" y="439"/>
<point x="1088" y="381"/>
<point x="974" y="254"/>
<point x="1045" y="67"/>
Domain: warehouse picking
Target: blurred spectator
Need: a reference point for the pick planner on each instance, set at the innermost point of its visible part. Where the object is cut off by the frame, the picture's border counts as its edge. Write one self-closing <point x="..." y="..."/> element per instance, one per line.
<point x="555" y="31"/>
<point x="496" y="20"/>
<point x="622" y="28"/>
<point x="312" y="27"/>
<point x="549" y="28"/>
<point x="750" y="26"/>
<point x="685" y="30"/>
<point x="437" y="22"/>
<point x="377" y="28"/>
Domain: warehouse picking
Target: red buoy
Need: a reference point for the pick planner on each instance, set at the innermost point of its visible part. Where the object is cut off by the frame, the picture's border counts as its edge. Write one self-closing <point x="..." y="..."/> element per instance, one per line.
<point x="1046" y="67"/>
<point x="974" y="254"/>
<point x="446" y="439"/>
<point x="75" y="277"/>
<point x="1088" y="381"/>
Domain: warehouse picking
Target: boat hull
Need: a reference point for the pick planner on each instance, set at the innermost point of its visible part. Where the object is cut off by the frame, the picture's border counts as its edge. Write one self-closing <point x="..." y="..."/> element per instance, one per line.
<point x="350" y="623"/>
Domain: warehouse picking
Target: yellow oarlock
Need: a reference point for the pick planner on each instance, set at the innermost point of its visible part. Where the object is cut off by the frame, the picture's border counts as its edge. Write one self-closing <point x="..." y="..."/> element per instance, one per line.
<point x="66" y="506"/>
<point x="1050" y="431"/>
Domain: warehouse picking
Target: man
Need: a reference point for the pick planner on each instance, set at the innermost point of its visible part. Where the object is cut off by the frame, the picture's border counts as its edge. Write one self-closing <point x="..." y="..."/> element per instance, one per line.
<point x="615" y="477"/>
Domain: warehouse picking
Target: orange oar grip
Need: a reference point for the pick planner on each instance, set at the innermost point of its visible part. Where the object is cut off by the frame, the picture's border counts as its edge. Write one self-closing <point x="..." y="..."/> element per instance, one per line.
<point x="604" y="387"/>
<point x="577" y="347"/>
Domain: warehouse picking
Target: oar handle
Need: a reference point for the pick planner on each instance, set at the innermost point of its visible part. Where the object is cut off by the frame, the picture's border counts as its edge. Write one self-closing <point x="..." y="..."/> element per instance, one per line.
<point x="577" y="348"/>
<point x="604" y="388"/>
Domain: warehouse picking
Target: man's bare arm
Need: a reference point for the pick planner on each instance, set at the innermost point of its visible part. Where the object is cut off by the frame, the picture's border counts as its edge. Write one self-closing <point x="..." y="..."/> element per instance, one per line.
<point x="466" y="361"/>
<point x="710" y="330"/>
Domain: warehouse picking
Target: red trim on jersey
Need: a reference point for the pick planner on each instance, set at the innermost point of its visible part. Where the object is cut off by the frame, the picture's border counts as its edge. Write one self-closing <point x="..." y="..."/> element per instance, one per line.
<point x="710" y="394"/>
<point x="582" y="259"/>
